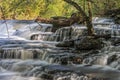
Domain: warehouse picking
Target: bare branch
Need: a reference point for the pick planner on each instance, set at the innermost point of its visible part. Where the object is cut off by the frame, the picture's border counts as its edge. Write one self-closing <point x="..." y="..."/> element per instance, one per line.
<point x="77" y="7"/>
<point x="3" y="16"/>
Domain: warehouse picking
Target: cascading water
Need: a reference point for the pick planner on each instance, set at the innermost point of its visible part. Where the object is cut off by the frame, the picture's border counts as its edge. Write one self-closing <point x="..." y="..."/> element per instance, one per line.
<point x="30" y="52"/>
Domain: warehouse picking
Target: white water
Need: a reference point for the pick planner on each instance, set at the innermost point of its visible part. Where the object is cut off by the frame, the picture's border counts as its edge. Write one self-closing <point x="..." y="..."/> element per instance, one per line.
<point x="19" y="31"/>
<point x="18" y="50"/>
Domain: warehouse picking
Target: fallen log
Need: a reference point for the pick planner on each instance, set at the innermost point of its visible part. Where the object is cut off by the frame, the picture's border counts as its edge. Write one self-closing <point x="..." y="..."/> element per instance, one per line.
<point x="59" y="21"/>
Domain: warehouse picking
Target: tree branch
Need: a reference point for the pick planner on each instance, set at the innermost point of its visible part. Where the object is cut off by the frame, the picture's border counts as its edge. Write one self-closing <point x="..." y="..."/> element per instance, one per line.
<point x="87" y="19"/>
<point x="3" y="16"/>
<point x="77" y="7"/>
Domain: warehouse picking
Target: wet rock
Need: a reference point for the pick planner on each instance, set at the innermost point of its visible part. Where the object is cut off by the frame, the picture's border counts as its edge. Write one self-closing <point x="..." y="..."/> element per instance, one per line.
<point x="102" y="72"/>
<point x="46" y="76"/>
<point x="79" y="77"/>
<point x="96" y="60"/>
<point x="71" y="76"/>
<point x="34" y="37"/>
<point x="116" y="42"/>
<point x="114" y="64"/>
<point x="78" y="72"/>
<point x="112" y="58"/>
<point x="1" y="50"/>
<point x="89" y="53"/>
<point x="63" y="78"/>
<point x="105" y="36"/>
<point x="88" y="43"/>
<point x="64" y="58"/>
<point x="66" y="44"/>
<point x="71" y="60"/>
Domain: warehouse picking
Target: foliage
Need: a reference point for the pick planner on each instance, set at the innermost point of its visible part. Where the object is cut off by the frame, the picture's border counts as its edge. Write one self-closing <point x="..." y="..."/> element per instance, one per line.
<point x="30" y="9"/>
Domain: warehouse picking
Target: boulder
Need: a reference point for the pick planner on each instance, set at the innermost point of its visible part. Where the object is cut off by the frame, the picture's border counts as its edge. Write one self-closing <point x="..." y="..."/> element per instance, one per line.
<point x="69" y="43"/>
<point x="88" y="43"/>
<point x="83" y="43"/>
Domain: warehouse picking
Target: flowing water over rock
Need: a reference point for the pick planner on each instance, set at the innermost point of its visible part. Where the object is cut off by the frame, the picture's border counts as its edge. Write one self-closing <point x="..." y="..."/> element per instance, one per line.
<point x="30" y="52"/>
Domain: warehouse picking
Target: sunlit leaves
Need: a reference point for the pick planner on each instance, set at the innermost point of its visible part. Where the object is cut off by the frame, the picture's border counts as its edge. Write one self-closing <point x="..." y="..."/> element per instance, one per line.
<point x="30" y="9"/>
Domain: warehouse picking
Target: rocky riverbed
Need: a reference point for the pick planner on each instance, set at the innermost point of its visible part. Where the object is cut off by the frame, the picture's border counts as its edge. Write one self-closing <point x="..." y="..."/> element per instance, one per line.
<point x="67" y="54"/>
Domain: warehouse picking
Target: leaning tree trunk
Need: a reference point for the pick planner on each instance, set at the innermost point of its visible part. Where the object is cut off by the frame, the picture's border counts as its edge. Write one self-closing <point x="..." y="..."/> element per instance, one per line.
<point x="87" y="19"/>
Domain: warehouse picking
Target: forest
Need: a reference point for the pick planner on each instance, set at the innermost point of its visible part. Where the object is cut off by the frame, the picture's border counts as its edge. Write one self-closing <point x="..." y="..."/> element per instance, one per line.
<point x="30" y="9"/>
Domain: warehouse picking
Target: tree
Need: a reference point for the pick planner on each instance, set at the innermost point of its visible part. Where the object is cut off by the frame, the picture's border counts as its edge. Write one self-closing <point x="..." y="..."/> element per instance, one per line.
<point x="53" y="8"/>
<point x="87" y="18"/>
<point x="30" y="9"/>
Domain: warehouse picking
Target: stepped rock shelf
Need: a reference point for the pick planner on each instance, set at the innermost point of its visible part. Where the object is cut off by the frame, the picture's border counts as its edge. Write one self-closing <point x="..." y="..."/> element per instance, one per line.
<point x="34" y="52"/>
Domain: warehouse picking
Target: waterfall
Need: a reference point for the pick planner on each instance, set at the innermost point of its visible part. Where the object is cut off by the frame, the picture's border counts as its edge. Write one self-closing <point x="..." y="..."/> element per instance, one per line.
<point x="10" y="53"/>
<point x="115" y="32"/>
<point x="73" y="32"/>
<point x="31" y="52"/>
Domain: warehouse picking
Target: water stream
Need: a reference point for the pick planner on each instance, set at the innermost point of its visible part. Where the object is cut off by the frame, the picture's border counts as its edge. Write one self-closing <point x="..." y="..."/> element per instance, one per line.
<point x="30" y="53"/>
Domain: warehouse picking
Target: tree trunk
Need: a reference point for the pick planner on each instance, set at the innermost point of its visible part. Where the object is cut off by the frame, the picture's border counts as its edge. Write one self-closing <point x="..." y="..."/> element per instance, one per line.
<point x="84" y="3"/>
<point x="87" y="19"/>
